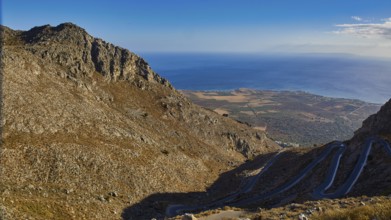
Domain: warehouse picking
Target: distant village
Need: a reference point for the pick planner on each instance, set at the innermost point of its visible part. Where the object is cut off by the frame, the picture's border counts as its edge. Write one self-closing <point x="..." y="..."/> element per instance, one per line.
<point x="287" y="144"/>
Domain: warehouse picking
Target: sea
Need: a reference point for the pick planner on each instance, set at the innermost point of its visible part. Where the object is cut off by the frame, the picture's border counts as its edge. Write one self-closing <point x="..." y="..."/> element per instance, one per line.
<point x="333" y="75"/>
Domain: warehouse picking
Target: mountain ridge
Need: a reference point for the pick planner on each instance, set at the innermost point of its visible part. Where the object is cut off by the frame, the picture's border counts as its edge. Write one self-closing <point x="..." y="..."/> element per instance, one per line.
<point x="89" y="128"/>
<point x="113" y="62"/>
<point x="377" y="124"/>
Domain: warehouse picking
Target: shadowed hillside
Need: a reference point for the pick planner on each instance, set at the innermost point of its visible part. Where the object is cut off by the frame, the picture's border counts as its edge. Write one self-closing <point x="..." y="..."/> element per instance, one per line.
<point x="344" y="173"/>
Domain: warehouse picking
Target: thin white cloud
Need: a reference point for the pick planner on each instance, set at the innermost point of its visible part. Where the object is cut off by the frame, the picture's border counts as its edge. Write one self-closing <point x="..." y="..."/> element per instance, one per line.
<point x="356" y="18"/>
<point x="369" y="30"/>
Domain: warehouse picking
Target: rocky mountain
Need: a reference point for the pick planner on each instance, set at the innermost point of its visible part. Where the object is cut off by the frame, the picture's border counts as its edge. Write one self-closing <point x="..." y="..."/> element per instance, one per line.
<point x="377" y="124"/>
<point x="89" y="129"/>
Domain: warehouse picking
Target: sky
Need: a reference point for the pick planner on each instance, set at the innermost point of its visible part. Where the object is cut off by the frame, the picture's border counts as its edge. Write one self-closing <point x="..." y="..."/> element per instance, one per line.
<point x="360" y="27"/>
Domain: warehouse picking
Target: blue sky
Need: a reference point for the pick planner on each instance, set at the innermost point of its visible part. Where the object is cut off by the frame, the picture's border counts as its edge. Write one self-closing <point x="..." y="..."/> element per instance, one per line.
<point x="360" y="27"/>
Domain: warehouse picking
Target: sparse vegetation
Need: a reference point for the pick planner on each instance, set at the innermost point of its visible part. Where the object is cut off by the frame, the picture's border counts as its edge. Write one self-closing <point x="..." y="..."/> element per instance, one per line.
<point x="103" y="132"/>
<point x="89" y="118"/>
<point x="354" y="208"/>
<point x="378" y="211"/>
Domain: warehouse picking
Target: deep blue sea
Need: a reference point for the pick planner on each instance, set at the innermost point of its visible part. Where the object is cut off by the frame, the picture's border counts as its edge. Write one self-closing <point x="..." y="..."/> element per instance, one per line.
<point x="334" y="75"/>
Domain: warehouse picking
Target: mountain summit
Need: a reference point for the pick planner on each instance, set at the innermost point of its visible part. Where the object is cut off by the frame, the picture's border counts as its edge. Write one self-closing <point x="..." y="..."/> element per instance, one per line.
<point x="88" y="129"/>
<point x="72" y="47"/>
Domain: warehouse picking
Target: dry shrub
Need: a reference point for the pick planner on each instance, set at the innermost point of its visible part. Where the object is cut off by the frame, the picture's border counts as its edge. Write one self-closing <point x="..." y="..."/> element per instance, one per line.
<point x="379" y="211"/>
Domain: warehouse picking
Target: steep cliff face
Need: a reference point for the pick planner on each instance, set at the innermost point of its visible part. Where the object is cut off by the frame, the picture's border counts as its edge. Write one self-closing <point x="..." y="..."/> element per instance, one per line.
<point x="377" y="124"/>
<point x="89" y="128"/>
<point x="72" y="47"/>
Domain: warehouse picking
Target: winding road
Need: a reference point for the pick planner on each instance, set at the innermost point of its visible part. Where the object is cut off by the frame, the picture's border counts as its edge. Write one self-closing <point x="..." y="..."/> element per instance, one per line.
<point x="173" y="210"/>
<point x="345" y="188"/>
<point x="318" y="193"/>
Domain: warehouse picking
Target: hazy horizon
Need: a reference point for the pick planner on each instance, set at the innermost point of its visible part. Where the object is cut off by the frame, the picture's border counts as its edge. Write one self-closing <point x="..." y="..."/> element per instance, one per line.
<point x="332" y="75"/>
<point x="303" y="26"/>
<point x="353" y="36"/>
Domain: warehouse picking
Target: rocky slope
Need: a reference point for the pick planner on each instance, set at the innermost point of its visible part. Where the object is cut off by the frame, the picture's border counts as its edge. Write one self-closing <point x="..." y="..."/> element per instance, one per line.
<point x="377" y="124"/>
<point x="88" y="129"/>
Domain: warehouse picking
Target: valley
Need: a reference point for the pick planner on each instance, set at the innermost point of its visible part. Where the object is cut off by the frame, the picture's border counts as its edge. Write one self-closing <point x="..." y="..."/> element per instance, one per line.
<point x="280" y="113"/>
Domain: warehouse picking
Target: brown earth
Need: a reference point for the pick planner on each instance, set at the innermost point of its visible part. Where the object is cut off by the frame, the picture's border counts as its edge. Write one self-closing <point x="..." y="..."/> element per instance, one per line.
<point x="363" y="207"/>
<point x="88" y="130"/>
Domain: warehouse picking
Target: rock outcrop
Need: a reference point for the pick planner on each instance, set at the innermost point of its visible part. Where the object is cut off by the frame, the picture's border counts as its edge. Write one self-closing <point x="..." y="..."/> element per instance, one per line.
<point x="73" y="48"/>
<point x="377" y="124"/>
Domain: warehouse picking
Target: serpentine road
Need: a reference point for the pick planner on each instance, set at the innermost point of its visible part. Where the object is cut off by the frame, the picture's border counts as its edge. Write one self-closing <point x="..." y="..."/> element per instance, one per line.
<point x="345" y="188"/>
<point x="319" y="192"/>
